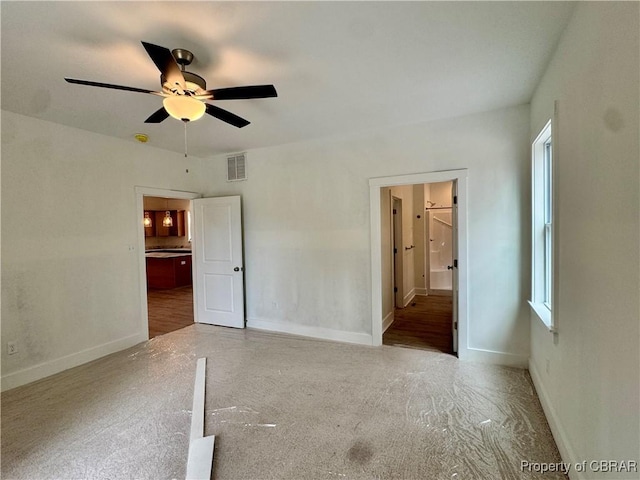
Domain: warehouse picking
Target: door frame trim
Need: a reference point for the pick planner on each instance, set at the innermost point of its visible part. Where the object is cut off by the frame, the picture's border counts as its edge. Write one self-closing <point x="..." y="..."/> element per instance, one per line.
<point x="140" y="193"/>
<point x="396" y="258"/>
<point x="375" y="189"/>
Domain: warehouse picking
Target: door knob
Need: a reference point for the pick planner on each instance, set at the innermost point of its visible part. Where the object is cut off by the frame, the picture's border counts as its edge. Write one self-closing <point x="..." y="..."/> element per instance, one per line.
<point x="449" y="267"/>
<point x="237" y="269"/>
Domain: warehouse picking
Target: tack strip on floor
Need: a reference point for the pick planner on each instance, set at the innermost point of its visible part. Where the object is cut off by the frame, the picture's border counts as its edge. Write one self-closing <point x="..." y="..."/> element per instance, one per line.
<point x="200" y="460"/>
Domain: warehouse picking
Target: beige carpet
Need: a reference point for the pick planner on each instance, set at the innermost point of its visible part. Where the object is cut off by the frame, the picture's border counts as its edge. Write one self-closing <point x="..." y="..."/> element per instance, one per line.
<point x="281" y="408"/>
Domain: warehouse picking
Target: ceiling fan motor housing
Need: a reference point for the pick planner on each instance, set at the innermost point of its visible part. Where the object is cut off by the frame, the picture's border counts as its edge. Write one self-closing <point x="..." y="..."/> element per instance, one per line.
<point x="190" y="78"/>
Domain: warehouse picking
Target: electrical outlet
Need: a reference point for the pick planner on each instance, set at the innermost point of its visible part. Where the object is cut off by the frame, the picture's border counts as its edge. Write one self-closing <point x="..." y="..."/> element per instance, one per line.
<point x="12" y="347"/>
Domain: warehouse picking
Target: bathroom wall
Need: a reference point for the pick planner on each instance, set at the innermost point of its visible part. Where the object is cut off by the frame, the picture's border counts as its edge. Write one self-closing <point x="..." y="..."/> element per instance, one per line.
<point x="440" y="253"/>
<point x="440" y="193"/>
<point x="419" y="262"/>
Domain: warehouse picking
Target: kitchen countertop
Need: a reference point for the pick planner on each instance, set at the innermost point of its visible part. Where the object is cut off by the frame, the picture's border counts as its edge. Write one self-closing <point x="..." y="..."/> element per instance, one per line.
<point x="167" y="254"/>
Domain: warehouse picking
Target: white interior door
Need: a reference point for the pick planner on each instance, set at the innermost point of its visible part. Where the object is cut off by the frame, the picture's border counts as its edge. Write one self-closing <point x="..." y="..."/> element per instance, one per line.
<point x="218" y="270"/>
<point x="454" y="271"/>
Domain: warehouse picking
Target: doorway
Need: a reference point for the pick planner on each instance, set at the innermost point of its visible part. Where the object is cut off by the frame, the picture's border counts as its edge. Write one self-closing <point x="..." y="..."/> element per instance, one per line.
<point x="164" y="254"/>
<point x="423" y="306"/>
<point x="381" y="261"/>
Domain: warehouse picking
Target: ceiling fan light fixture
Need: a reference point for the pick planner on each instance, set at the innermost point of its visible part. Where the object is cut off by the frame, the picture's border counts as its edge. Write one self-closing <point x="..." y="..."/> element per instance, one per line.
<point x="185" y="108"/>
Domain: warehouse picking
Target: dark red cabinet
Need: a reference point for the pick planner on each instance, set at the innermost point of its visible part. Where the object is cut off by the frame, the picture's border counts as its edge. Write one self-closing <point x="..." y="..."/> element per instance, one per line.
<point x="169" y="272"/>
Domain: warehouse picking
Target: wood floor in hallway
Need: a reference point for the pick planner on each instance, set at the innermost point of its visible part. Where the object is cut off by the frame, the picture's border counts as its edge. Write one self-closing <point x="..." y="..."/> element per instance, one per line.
<point x="425" y="324"/>
<point x="169" y="310"/>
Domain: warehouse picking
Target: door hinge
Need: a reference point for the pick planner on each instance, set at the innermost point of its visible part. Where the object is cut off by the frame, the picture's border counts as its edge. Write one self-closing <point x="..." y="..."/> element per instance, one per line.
<point x="395" y="289"/>
<point x="394" y="211"/>
<point x="455" y="199"/>
<point x="455" y="325"/>
<point x="455" y="263"/>
<point x="395" y="250"/>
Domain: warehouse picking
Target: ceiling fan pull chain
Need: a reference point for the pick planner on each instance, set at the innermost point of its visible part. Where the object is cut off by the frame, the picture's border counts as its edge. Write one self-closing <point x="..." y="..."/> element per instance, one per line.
<point x="185" y="139"/>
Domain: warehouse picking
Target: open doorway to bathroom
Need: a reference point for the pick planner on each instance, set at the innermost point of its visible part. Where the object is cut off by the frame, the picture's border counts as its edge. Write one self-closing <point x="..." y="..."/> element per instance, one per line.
<point x="383" y="313"/>
<point x="420" y="240"/>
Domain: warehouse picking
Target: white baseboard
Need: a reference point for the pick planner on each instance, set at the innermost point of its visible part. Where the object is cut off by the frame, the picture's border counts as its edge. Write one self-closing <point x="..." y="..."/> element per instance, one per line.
<point x="494" y="358"/>
<point x="42" y="370"/>
<point x="387" y="321"/>
<point x="308" y="331"/>
<point x="421" y="291"/>
<point x="441" y="293"/>
<point x="559" y="435"/>
<point x="408" y="297"/>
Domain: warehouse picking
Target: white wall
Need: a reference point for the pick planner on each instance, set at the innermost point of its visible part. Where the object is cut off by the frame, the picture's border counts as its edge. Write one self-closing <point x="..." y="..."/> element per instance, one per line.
<point x="588" y="375"/>
<point x="440" y="194"/>
<point x="70" y="286"/>
<point x="306" y="225"/>
<point x="419" y="240"/>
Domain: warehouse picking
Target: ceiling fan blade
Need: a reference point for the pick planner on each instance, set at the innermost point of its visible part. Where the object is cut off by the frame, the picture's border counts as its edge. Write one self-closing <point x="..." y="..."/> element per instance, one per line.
<point x="109" y="85"/>
<point x="225" y="116"/>
<point x="242" y="93"/>
<point x="165" y="62"/>
<point x="158" y="116"/>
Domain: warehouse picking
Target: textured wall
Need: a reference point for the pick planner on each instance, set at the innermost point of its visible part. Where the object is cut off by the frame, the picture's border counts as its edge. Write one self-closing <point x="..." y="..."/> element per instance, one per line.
<point x="306" y="222"/>
<point x="588" y="374"/>
<point x="70" y="286"/>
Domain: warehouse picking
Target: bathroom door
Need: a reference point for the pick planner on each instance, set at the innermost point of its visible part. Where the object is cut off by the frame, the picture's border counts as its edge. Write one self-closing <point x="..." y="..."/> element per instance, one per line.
<point x="218" y="271"/>
<point x="454" y="271"/>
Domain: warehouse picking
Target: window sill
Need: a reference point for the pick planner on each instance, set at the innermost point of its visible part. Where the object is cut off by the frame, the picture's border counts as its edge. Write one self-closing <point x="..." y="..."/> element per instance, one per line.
<point x="544" y="314"/>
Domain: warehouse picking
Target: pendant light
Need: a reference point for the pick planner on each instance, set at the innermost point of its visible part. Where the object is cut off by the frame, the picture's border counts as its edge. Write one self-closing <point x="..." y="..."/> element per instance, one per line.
<point x="146" y="221"/>
<point x="167" y="221"/>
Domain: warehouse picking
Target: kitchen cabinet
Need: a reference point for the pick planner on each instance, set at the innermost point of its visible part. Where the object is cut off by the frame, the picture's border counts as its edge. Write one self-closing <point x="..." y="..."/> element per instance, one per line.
<point x="168" y="270"/>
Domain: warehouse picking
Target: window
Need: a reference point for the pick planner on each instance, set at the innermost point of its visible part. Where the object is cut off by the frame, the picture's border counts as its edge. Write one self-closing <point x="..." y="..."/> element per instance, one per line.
<point x="542" y="226"/>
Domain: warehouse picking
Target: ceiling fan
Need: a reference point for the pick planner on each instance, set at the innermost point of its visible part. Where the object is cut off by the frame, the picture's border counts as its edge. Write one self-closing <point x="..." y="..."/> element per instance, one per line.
<point x="184" y="92"/>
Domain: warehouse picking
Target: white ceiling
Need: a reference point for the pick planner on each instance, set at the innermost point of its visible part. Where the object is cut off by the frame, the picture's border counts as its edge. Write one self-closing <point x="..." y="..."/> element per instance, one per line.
<point x="338" y="66"/>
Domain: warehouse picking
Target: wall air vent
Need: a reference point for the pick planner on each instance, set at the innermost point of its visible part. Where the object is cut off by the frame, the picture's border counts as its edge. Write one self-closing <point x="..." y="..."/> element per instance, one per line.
<point x="237" y="167"/>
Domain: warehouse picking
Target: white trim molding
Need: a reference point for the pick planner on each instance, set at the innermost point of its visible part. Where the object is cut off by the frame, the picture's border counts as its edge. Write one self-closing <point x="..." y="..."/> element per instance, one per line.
<point x="408" y="298"/>
<point x="567" y="453"/>
<point x="387" y="321"/>
<point x="46" y="369"/>
<point x="309" y="331"/>
<point x="497" y="358"/>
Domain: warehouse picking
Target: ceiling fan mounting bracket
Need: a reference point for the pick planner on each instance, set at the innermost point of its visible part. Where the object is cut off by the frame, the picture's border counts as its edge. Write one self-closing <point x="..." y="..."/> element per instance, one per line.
<point x="183" y="57"/>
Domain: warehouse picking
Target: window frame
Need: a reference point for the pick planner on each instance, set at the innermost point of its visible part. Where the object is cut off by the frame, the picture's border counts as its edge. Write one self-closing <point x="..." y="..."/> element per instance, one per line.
<point x="542" y="226"/>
